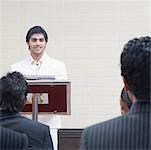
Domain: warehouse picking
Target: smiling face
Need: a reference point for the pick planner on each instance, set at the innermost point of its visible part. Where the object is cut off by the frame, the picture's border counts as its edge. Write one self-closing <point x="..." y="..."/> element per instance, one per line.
<point x="37" y="45"/>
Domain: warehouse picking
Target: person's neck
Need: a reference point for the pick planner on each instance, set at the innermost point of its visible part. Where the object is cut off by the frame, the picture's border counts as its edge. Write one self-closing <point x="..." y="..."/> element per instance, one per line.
<point x="36" y="57"/>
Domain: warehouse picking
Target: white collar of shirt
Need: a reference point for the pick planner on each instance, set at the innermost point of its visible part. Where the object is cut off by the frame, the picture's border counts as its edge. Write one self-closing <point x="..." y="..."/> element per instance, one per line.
<point x="35" y="63"/>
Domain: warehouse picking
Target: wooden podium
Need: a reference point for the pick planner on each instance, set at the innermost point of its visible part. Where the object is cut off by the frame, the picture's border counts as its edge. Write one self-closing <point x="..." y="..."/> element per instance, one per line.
<point x="57" y="96"/>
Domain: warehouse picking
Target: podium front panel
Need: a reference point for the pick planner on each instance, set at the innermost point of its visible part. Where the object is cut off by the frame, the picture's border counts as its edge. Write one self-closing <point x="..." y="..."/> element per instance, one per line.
<point x="58" y="93"/>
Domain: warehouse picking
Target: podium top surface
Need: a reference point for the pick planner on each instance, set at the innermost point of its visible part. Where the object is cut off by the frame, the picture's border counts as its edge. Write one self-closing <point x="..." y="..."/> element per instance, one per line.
<point x="42" y="81"/>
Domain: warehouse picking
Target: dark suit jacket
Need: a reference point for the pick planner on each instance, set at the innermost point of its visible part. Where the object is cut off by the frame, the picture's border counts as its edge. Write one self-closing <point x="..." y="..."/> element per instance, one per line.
<point x="129" y="132"/>
<point x="38" y="134"/>
<point x="11" y="140"/>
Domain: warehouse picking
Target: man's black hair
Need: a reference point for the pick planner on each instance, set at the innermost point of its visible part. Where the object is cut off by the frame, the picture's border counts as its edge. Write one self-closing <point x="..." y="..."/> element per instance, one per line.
<point x="36" y="30"/>
<point x="136" y="66"/>
<point x="13" y="92"/>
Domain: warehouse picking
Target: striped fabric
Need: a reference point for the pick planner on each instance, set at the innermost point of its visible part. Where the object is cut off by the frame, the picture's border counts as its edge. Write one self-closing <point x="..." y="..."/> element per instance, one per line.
<point x="128" y="132"/>
<point x="11" y="140"/>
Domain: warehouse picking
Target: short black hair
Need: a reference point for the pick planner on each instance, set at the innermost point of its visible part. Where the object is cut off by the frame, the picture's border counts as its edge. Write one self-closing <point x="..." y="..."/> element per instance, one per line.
<point x="13" y="90"/>
<point x="36" y="30"/>
<point x="136" y="66"/>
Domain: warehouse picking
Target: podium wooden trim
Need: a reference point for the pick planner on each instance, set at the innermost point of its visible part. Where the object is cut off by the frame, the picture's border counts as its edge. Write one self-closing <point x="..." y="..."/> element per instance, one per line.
<point x="59" y="96"/>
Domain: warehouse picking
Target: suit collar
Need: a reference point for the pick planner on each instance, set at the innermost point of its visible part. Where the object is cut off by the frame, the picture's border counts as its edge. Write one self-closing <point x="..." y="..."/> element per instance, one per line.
<point x="4" y="114"/>
<point x="141" y="106"/>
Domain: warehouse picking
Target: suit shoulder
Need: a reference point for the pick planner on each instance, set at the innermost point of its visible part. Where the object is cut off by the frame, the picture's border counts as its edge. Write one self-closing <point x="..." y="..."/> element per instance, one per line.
<point x="107" y="124"/>
<point x="34" y="123"/>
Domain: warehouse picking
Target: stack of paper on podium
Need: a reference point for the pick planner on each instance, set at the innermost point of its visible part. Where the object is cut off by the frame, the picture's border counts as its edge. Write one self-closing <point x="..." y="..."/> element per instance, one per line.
<point x="40" y="77"/>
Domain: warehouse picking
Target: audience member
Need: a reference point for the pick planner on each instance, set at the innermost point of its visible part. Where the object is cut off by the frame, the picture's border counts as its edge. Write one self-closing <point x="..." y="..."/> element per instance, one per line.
<point x="13" y="89"/>
<point x="131" y="131"/>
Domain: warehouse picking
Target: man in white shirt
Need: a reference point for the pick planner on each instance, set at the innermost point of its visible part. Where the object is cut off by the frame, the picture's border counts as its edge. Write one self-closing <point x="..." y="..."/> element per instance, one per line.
<point x="39" y="63"/>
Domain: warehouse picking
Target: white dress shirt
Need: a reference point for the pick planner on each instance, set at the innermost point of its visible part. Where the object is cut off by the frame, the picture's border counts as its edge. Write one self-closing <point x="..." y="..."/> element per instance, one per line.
<point x="45" y="66"/>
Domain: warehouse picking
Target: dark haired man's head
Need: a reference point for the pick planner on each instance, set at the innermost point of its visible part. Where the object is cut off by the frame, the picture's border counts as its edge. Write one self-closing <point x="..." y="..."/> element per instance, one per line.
<point x="36" y="40"/>
<point x="136" y="67"/>
<point x="13" y="90"/>
<point x="36" y="30"/>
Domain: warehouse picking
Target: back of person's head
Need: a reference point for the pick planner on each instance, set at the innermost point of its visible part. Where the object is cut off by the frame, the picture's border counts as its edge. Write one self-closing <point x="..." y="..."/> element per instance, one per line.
<point x="136" y="66"/>
<point x="13" y="90"/>
<point x="36" y="30"/>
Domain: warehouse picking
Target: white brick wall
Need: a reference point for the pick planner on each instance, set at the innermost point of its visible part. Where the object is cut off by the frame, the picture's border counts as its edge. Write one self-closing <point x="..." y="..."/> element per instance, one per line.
<point x="88" y="35"/>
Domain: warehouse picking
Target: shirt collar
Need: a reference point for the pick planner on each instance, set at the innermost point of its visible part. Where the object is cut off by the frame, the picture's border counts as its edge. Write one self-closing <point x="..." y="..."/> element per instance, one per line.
<point x="32" y="61"/>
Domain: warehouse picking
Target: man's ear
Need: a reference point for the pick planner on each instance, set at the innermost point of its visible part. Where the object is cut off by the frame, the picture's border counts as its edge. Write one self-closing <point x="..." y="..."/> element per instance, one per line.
<point x="28" y="45"/>
<point x="131" y="96"/>
<point x="126" y="84"/>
